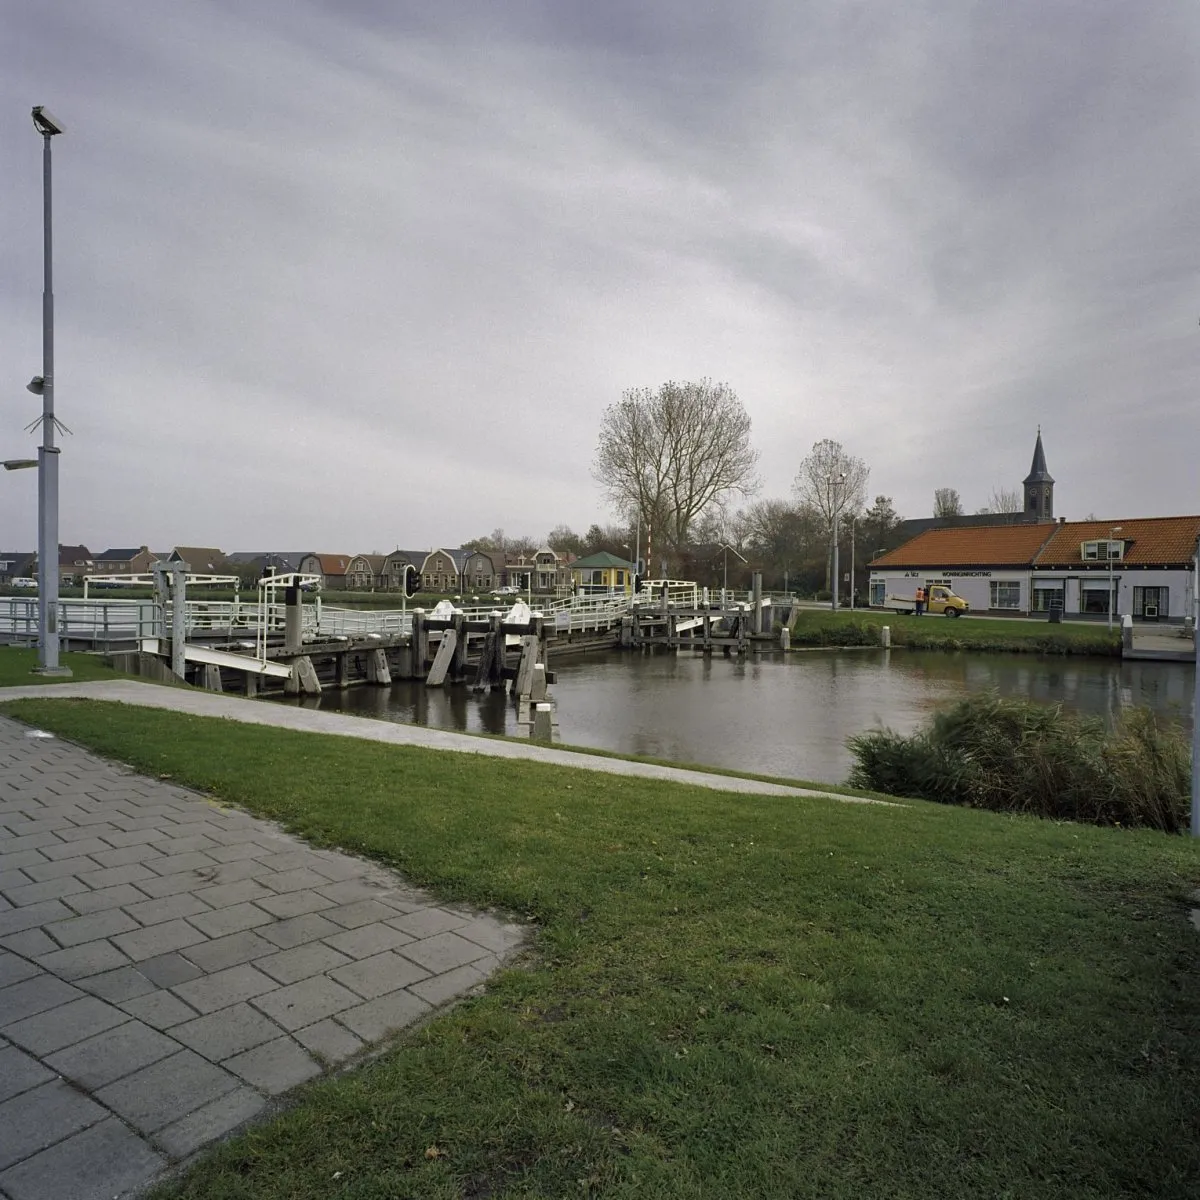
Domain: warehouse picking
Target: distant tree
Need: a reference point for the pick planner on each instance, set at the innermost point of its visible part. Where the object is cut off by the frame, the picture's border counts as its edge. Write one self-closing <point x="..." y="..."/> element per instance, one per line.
<point x="947" y="503"/>
<point x="564" y="540"/>
<point x="833" y="484"/>
<point x="879" y="523"/>
<point x="666" y="456"/>
<point x="613" y="539"/>
<point x="1004" y="500"/>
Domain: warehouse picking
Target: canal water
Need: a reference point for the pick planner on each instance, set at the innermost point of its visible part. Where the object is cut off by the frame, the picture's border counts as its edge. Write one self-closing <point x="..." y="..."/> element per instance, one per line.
<point x="775" y="714"/>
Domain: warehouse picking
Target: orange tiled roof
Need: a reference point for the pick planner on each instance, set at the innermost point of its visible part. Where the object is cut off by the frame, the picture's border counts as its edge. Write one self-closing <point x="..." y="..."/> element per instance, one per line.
<point x="333" y="564"/>
<point x="970" y="546"/>
<point x="1148" y="540"/>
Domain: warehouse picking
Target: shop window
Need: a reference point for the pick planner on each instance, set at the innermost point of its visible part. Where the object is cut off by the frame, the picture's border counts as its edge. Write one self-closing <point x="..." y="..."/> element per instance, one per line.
<point x="1046" y="598"/>
<point x="1005" y="594"/>
<point x="1095" y="600"/>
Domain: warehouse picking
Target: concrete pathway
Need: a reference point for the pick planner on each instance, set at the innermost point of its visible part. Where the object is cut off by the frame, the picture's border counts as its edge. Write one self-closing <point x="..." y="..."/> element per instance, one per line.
<point x="286" y="716"/>
<point x="168" y="965"/>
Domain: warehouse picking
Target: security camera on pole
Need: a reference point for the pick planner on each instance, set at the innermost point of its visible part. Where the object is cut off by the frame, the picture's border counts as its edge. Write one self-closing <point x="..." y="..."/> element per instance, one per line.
<point x="43" y="385"/>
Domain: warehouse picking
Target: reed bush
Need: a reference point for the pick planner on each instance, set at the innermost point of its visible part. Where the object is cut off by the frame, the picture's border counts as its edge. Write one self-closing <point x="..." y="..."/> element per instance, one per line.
<point x="1017" y="756"/>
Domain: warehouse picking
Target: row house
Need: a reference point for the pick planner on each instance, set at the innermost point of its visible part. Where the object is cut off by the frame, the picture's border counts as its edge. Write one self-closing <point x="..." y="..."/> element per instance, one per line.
<point x="126" y="562"/>
<point x="1143" y="566"/>
<point x="16" y="564"/>
<point x="331" y="568"/>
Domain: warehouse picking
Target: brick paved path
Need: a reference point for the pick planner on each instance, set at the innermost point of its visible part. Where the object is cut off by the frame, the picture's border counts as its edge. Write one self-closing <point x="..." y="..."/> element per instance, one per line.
<point x="167" y="965"/>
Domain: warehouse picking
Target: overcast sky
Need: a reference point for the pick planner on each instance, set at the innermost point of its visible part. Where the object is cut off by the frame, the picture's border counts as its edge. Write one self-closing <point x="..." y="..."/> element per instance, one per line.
<point x="354" y="275"/>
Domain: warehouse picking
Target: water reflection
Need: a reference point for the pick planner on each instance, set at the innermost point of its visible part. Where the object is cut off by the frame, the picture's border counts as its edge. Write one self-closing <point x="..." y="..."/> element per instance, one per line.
<point x="783" y="715"/>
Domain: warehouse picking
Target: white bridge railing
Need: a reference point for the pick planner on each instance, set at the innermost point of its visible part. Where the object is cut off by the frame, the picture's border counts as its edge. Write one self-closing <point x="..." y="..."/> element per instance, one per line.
<point x="105" y="622"/>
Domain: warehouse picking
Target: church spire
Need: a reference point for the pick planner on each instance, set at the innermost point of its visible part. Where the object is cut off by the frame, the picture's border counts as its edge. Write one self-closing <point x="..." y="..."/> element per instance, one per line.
<point x="1039" y="485"/>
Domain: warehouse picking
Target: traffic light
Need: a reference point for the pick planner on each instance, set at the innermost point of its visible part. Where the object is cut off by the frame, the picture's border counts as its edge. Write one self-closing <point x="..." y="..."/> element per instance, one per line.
<point x="412" y="580"/>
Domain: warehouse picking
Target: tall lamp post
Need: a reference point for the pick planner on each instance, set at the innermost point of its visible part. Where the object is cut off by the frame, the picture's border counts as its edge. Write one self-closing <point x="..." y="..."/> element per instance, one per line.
<point x="1108" y="551"/>
<point x="43" y="385"/>
<point x="836" y="481"/>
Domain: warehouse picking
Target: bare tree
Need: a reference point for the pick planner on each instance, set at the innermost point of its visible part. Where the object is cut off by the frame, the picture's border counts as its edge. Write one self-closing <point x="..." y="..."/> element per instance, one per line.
<point x="1004" y="500"/>
<point x="666" y="456"/>
<point x="831" y="481"/>
<point x="947" y="503"/>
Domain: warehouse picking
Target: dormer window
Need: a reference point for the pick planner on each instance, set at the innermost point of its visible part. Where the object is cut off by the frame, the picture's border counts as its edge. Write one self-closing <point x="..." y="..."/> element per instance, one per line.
<point x="1102" y="551"/>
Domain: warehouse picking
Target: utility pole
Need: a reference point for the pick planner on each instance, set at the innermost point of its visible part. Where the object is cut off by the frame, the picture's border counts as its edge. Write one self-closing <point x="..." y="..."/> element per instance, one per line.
<point x="1196" y="698"/>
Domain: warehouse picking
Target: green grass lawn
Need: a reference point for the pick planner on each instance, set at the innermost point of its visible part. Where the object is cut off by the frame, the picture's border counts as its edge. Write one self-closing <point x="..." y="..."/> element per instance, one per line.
<point x="728" y="996"/>
<point x="17" y="668"/>
<point x="816" y="627"/>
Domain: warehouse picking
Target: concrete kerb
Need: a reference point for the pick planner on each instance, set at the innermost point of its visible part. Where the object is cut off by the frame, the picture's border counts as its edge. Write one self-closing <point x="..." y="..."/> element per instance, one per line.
<point x="258" y="712"/>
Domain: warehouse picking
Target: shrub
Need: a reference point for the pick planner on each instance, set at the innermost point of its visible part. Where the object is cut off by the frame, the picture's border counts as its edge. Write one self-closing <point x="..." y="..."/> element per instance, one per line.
<point x="1017" y="756"/>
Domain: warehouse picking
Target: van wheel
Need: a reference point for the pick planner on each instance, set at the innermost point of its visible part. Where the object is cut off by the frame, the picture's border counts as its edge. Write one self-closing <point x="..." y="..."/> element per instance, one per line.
<point x="952" y="612"/>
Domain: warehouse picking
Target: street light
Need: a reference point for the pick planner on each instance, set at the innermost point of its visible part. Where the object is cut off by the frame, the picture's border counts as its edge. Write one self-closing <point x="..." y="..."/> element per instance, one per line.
<point x="1108" y="551"/>
<point x="725" y="586"/>
<point x="19" y="464"/>
<point x="836" y="481"/>
<point x="48" y="452"/>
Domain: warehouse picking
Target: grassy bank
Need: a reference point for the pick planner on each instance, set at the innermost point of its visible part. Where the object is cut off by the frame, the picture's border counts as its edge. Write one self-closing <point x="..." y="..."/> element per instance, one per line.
<point x="729" y="997"/>
<point x="813" y="627"/>
<point x="17" y="668"/>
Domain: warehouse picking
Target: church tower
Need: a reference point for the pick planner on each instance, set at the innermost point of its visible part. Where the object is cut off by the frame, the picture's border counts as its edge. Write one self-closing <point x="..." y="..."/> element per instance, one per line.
<point x="1039" y="486"/>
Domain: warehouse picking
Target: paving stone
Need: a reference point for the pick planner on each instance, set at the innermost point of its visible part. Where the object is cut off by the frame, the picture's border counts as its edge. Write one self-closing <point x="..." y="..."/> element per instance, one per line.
<point x="290" y="966"/>
<point x="437" y="989"/>
<point x="125" y="854"/>
<point x="233" y="919"/>
<point x="76" y="962"/>
<point x="62" y="1026"/>
<point x="166" y="908"/>
<point x="156" y="940"/>
<point x="74" y="849"/>
<point x="19" y="1072"/>
<point x="443" y="952"/>
<point x="167" y="970"/>
<point x="14" y="968"/>
<point x="32" y="996"/>
<point x="89" y="826"/>
<point x="275" y="1066"/>
<point x="291" y="860"/>
<point x="210" y="1122"/>
<point x="45" y="842"/>
<point x="114" y="986"/>
<point x="186" y="845"/>
<point x="32" y="916"/>
<point x="134" y="837"/>
<point x="64" y="868"/>
<point x="293" y="904"/>
<point x="228" y="1032"/>
<point x="350" y="891"/>
<point x="329" y="1042"/>
<point x="363" y="912"/>
<point x="113" y="1054"/>
<point x="31" y="943"/>
<point x="371" y="977"/>
<point x="298" y="879"/>
<point x="87" y="929"/>
<point x="377" y="1018"/>
<point x="111" y="876"/>
<point x="339" y="866"/>
<point x="304" y="1003"/>
<point x="175" y="863"/>
<point x="237" y="891"/>
<point x="223" y="988"/>
<point x="160" y="1094"/>
<point x="50" y="889"/>
<point x="38" y="1118"/>
<point x="229" y="951"/>
<point x="98" y="1163"/>
<point x="110" y="897"/>
<point x="238" y="851"/>
<point x="14" y="879"/>
<point x="426" y="922"/>
<point x="295" y="931"/>
<point x="172" y="885"/>
<point x="162" y="1009"/>
<point x="13" y="861"/>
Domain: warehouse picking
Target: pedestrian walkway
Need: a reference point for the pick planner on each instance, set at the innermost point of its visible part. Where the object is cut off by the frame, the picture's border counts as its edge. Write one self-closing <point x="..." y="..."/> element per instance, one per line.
<point x="286" y="716"/>
<point x="168" y="965"/>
